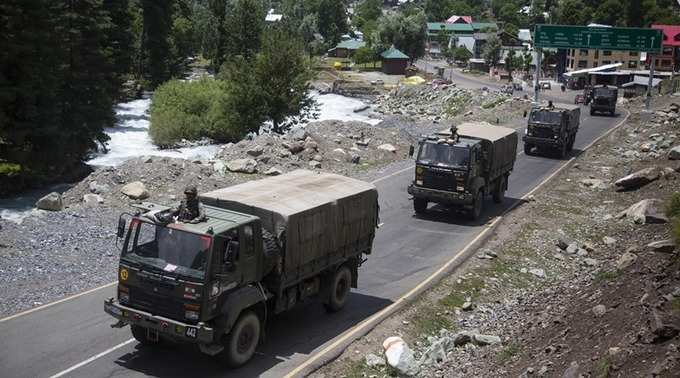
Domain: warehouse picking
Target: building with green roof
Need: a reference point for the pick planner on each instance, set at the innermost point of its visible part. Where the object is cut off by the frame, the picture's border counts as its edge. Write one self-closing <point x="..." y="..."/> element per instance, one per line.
<point x="346" y="48"/>
<point x="394" y="62"/>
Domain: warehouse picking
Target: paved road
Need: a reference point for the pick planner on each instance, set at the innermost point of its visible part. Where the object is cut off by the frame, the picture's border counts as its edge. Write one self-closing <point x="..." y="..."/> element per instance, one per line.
<point x="407" y="250"/>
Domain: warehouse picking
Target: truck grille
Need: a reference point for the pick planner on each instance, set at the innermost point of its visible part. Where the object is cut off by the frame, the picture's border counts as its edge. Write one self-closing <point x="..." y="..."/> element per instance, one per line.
<point x="439" y="179"/>
<point x="156" y="305"/>
<point x="542" y="132"/>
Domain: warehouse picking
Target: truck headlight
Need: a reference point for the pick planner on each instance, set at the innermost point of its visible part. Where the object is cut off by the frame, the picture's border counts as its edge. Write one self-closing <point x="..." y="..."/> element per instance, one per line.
<point x="419" y="182"/>
<point x="555" y="137"/>
<point x="191" y="315"/>
<point x="460" y="188"/>
<point x="215" y="289"/>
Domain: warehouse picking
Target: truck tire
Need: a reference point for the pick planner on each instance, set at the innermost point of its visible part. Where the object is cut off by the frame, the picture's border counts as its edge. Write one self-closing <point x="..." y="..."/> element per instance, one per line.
<point x="570" y="146"/>
<point x="139" y="333"/>
<point x="499" y="190"/>
<point x="477" y="206"/>
<point x="339" y="291"/>
<point x="419" y="205"/>
<point x="563" y="150"/>
<point x="592" y="112"/>
<point x="240" y="343"/>
<point x="527" y="149"/>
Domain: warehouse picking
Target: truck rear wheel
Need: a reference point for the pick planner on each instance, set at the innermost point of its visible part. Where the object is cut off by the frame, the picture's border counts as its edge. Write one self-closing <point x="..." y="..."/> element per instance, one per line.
<point x="477" y="206"/>
<point x="419" y="205"/>
<point x="592" y="112"/>
<point x="342" y="280"/>
<point x="499" y="190"/>
<point x="563" y="150"/>
<point x="240" y="343"/>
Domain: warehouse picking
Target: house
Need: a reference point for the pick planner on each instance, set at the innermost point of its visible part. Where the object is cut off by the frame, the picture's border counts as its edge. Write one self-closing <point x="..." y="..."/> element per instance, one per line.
<point x="346" y="48"/>
<point x="455" y="27"/>
<point x="669" y="59"/>
<point x="638" y="87"/>
<point x="459" y="20"/>
<point x="579" y="59"/>
<point x="394" y="62"/>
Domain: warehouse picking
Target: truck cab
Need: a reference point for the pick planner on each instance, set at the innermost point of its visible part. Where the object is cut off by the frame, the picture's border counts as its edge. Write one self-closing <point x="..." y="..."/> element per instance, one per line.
<point x="552" y="128"/>
<point x="603" y="99"/>
<point x="458" y="167"/>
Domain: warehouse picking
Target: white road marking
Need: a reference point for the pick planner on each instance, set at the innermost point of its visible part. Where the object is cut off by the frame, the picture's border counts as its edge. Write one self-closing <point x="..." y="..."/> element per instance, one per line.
<point x="96" y="356"/>
<point x="392" y="174"/>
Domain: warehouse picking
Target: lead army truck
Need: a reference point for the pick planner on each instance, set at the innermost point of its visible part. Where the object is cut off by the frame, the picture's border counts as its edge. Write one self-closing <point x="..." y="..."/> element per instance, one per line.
<point x="266" y="245"/>
<point x="552" y="128"/>
<point x="603" y="99"/>
<point x="459" y="167"/>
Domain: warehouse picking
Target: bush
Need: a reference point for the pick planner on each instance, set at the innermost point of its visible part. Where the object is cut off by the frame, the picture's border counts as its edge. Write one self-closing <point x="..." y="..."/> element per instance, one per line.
<point x="673" y="206"/>
<point x="192" y="111"/>
<point x="9" y="169"/>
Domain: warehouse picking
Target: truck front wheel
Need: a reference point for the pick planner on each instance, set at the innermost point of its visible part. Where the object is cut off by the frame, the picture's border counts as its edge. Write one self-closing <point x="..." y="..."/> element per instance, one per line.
<point x="240" y="343"/>
<point x="477" y="205"/>
<point x="499" y="190"/>
<point x="527" y="148"/>
<point x="419" y="205"/>
<point x="339" y="292"/>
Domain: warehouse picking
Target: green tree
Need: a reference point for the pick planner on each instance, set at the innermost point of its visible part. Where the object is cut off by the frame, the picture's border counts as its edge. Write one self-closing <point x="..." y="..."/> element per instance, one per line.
<point x="461" y="54"/>
<point x="492" y="51"/>
<point x="513" y="62"/>
<point x="609" y="13"/>
<point x="367" y="11"/>
<point x="332" y="20"/>
<point x="156" y="52"/>
<point x="406" y="33"/>
<point x="243" y="27"/>
<point x="365" y="55"/>
<point x="244" y="103"/>
<point x="527" y="60"/>
<point x="118" y="42"/>
<point x="573" y="12"/>
<point x="284" y="73"/>
<point x="437" y="10"/>
<point x="211" y="27"/>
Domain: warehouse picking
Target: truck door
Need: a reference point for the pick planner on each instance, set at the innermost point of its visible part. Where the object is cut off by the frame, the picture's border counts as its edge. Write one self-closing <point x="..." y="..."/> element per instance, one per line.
<point x="248" y="255"/>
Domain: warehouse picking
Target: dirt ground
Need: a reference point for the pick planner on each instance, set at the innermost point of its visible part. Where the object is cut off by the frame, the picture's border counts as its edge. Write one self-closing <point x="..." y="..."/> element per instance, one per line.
<point x="609" y="307"/>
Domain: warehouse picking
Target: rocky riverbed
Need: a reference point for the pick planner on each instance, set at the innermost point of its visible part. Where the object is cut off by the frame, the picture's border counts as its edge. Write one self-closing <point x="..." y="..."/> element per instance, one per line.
<point x="582" y="280"/>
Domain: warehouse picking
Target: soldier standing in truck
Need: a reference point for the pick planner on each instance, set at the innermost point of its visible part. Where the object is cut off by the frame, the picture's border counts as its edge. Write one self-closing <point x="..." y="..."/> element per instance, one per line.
<point x="190" y="209"/>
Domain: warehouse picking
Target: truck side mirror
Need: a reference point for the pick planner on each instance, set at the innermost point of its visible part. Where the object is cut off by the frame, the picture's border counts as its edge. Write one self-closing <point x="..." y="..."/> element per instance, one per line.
<point x="120" y="232"/>
<point x="411" y="151"/>
<point x="231" y="255"/>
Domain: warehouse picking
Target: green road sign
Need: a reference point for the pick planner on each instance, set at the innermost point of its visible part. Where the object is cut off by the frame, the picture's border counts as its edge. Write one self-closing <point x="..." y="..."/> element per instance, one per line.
<point x="598" y="38"/>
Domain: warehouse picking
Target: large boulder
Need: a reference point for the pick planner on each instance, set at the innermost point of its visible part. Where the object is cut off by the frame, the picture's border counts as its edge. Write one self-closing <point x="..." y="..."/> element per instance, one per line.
<point x="273" y="171"/>
<point x="664" y="246"/>
<point x="255" y="150"/>
<point x="51" y="202"/>
<point x="674" y="153"/>
<point x="242" y="166"/>
<point x="645" y="212"/>
<point x="294" y="147"/>
<point x="400" y="356"/>
<point x="638" y="179"/>
<point x="298" y="134"/>
<point x="387" y="147"/>
<point x="98" y="188"/>
<point x="92" y="199"/>
<point x="135" y="190"/>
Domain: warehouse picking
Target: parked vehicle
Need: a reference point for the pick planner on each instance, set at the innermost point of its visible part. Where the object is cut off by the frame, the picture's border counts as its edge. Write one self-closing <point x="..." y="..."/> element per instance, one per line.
<point x="579" y="99"/>
<point x="460" y="166"/>
<point x="604" y="99"/>
<point x="552" y="128"/>
<point x="266" y="245"/>
<point x="545" y="85"/>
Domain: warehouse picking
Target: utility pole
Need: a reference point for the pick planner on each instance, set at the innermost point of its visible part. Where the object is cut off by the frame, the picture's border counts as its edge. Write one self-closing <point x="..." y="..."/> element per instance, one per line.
<point x="538" y="73"/>
<point x="648" y="101"/>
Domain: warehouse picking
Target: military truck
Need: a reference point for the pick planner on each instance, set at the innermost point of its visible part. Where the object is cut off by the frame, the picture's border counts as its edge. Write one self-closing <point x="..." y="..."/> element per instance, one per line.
<point x="552" y="128"/>
<point x="603" y="99"/>
<point x="458" y="167"/>
<point x="265" y="246"/>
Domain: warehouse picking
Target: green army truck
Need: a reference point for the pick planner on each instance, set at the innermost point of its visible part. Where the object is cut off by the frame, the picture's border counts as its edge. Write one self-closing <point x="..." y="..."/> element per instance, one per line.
<point x="265" y="246"/>
<point x="459" y="167"/>
<point x="603" y="99"/>
<point x="552" y="129"/>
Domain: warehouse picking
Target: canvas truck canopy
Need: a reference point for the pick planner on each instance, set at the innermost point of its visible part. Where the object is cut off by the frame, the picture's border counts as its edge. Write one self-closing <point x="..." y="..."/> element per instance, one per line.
<point x="317" y="214"/>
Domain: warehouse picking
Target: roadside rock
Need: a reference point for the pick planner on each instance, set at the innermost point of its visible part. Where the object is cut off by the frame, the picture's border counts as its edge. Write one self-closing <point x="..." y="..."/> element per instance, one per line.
<point x="92" y="199"/>
<point x="599" y="310"/>
<point x="638" y="179"/>
<point x="572" y="371"/>
<point x="135" y="190"/>
<point x="242" y="166"/>
<point x="663" y="246"/>
<point x="298" y="134"/>
<point x="374" y="361"/>
<point x="645" y="212"/>
<point x="540" y="273"/>
<point x="594" y="183"/>
<point x="674" y="153"/>
<point x="400" y="356"/>
<point x="98" y="188"/>
<point x="273" y="171"/>
<point x="608" y="240"/>
<point x="218" y="166"/>
<point x="661" y="327"/>
<point x="50" y="202"/>
<point x="255" y="151"/>
<point x="294" y="147"/>
<point x="482" y="340"/>
<point x="387" y="147"/>
<point x="626" y="260"/>
<point x="314" y="164"/>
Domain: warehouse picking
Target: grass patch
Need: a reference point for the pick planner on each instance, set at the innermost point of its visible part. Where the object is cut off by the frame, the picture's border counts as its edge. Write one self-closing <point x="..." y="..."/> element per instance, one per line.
<point x="9" y="169"/>
<point x="492" y="104"/>
<point x="606" y="276"/>
<point x="468" y="287"/>
<point x="359" y="369"/>
<point x="675" y="305"/>
<point x="508" y="352"/>
<point x="428" y="322"/>
<point x="602" y="368"/>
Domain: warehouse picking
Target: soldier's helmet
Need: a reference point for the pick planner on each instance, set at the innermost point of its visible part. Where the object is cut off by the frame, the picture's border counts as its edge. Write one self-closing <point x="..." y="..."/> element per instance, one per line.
<point x="191" y="190"/>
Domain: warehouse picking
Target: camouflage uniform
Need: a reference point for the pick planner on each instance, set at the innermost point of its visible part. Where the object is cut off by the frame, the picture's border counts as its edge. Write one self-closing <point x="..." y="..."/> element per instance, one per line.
<point x="190" y="209"/>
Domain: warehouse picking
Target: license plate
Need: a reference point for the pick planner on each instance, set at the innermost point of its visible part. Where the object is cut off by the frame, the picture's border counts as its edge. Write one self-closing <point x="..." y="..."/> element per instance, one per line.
<point x="191" y="332"/>
<point x="114" y="310"/>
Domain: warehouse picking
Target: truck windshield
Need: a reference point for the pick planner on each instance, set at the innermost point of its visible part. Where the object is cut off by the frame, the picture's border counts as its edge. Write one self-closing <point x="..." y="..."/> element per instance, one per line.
<point x="544" y="116"/>
<point x="444" y="154"/>
<point x="167" y="249"/>
<point x="604" y="92"/>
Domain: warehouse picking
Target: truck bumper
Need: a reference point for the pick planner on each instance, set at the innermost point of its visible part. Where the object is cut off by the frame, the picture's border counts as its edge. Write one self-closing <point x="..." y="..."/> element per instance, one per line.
<point x="441" y="196"/>
<point x="199" y="334"/>
<point x="541" y="142"/>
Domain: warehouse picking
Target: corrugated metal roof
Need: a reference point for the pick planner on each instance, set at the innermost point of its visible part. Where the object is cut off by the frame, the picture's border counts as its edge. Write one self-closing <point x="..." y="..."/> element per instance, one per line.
<point x="643" y="81"/>
<point x="671" y="34"/>
<point x="393" y="53"/>
<point x="293" y="192"/>
<point x="351" y="44"/>
<point x="436" y="27"/>
<point x="482" y="25"/>
<point x="594" y="69"/>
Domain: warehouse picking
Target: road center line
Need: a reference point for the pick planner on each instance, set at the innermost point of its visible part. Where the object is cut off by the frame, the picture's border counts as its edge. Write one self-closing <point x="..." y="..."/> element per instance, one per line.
<point x="96" y="356"/>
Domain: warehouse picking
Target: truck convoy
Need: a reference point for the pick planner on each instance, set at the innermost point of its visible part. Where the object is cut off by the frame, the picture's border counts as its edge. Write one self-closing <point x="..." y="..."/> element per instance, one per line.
<point x="265" y="246"/>
<point x="460" y="166"/>
<point x="603" y="99"/>
<point x="552" y="128"/>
